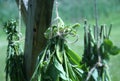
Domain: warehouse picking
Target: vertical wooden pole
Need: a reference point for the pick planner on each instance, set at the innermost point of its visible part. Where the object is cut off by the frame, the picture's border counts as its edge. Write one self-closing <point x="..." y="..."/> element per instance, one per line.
<point x="38" y="20"/>
<point x="23" y="10"/>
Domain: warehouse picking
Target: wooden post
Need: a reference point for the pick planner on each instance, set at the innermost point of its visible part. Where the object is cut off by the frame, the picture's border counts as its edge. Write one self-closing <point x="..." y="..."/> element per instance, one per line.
<point x="23" y="11"/>
<point x="39" y="19"/>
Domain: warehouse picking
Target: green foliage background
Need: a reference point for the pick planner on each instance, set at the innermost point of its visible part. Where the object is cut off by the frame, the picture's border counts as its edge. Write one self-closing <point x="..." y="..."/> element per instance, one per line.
<point x="71" y="11"/>
<point x="75" y="10"/>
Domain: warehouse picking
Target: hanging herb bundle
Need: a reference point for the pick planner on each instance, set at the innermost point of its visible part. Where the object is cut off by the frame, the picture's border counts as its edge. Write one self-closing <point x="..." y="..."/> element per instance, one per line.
<point x="57" y="62"/>
<point x="96" y="53"/>
<point x="14" y="60"/>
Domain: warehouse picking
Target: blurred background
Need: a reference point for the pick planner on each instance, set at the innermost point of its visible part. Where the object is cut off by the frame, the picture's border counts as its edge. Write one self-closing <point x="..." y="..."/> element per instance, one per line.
<point x="71" y="11"/>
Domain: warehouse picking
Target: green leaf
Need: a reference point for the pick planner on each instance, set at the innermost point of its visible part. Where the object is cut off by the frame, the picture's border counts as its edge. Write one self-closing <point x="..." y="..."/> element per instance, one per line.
<point x="114" y="50"/>
<point x="59" y="53"/>
<point x="72" y="74"/>
<point x="75" y="58"/>
<point x="106" y="76"/>
<point x="78" y="72"/>
<point x="95" y="75"/>
<point x="75" y="25"/>
<point x="59" y="67"/>
<point x="108" y="44"/>
<point x="52" y="72"/>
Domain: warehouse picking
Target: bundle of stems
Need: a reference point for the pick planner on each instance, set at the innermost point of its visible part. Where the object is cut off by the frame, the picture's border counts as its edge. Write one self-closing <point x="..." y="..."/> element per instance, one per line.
<point x="97" y="49"/>
<point x="14" y="59"/>
<point x="57" y="62"/>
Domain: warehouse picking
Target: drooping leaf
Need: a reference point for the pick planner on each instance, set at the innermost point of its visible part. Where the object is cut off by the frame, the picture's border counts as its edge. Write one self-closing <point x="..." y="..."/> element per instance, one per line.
<point x="59" y="67"/>
<point x="59" y="53"/>
<point x="95" y="75"/>
<point x="72" y="74"/>
<point x="52" y="73"/>
<point x="79" y="72"/>
<point x="75" y="58"/>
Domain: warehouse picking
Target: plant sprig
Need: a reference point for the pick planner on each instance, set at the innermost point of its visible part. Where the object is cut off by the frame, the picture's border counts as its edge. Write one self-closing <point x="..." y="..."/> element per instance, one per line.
<point x="14" y="59"/>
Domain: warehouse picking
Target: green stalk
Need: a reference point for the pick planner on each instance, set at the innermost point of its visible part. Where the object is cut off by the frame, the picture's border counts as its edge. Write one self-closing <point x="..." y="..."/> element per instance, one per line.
<point x="109" y="31"/>
<point x="66" y="67"/>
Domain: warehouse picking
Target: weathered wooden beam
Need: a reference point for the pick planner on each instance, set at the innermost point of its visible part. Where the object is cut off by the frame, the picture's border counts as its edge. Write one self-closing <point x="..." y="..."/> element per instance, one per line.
<point x="39" y="19"/>
<point x="23" y="10"/>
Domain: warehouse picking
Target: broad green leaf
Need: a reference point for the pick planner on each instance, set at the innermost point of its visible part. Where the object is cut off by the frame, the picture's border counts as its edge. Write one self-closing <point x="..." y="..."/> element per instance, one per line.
<point x="108" y="44"/>
<point x="75" y="58"/>
<point x="60" y="69"/>
<point x="59" y="53"/>
<point x="114" y="50"/>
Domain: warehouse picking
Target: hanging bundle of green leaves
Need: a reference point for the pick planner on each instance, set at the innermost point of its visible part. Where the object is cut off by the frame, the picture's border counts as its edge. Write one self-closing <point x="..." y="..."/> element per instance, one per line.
<point x="97" y="50"/>
<point x="57" y="62"/>
<point x="14" y="60"/>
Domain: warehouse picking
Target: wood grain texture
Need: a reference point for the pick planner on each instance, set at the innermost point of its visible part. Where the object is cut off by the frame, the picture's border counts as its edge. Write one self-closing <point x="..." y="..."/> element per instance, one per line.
<point x="39" y="19"/>
<point x="24" y="11"/>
